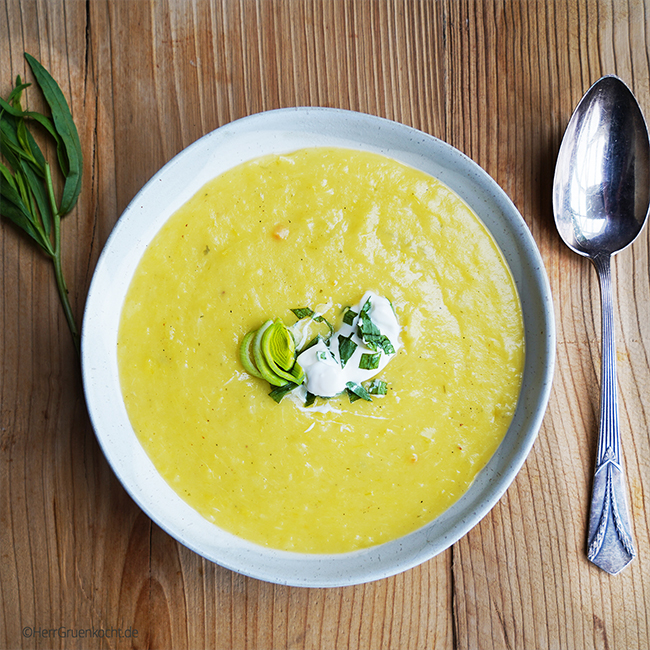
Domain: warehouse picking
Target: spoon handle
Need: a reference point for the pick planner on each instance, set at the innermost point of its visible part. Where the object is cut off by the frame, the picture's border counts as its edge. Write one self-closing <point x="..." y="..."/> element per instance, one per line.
<point x="610" y="544"/>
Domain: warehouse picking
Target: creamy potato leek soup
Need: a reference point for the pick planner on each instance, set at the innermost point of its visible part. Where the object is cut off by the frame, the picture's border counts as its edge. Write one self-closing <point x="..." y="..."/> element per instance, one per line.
<point x="321" y="350"/>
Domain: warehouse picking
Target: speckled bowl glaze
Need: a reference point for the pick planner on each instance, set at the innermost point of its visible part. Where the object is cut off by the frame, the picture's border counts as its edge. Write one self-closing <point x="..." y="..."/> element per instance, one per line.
<point x="280" y="131"/>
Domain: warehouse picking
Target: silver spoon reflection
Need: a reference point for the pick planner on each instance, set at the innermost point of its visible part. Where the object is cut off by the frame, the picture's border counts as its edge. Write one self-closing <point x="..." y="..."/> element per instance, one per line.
<point x="601" y="193"/>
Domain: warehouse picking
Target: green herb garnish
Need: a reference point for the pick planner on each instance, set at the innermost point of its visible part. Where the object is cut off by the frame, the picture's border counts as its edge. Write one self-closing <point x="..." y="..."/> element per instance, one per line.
<point x="349" y="315"/>
<point x="270" y="353"/>
<point x="307" y="312"/>
<point x="367" y="329"/>
<point x="374" y="387"/>
<point x="325" y="355"/>
<point x="346" y="348"/>
<point x="358" y="391"/>
<point x="378" y="387"/>
<point x="312" y="343"/>
<point x="303" y="312"/>
<point x="281" y="391"/>
<point x="369" y="361"/>
<point x="27" y="195"/>
<point x="381" y="342"/>
<point x="370" y="334"/>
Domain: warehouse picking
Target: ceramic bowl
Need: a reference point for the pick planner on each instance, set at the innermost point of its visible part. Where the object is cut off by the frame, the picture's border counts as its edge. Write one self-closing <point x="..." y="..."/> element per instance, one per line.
<point x="282" y="131"/>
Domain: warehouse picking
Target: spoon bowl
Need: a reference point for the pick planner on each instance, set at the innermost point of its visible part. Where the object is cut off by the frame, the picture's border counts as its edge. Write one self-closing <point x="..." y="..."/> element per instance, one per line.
<point x="601" y="189"/>
<point x="601" y="195"/>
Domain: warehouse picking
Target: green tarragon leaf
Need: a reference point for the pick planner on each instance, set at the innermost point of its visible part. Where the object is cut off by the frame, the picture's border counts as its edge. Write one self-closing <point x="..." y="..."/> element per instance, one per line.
<point x="381" y="342"/>
<point x="15" y="94"/>
<point x="349" y="315"/>
<point x="303" y="312"/>
<point x="13" y="207"/>
<point x="366" y="327"/>
<point x="370" y="334"/>
<point x="281" y="391"/>
<point x="39" y="193"/>
<point x="325" y="355"/>
<point x="358" y="391"/>
<point x="44" y="121"/>
<point x="307" y="312"/>
<point x="65" y="127"/>
<point x="377" y="387"/>
<point x="346" y="348"/>
<point x="311" y="343"/>
<point x="369" y="361"/>
<point x="10" y="143"/>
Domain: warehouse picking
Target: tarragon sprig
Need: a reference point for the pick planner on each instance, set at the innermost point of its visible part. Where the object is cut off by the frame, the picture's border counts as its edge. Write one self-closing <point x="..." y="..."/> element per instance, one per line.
<point x="27" y="196"/>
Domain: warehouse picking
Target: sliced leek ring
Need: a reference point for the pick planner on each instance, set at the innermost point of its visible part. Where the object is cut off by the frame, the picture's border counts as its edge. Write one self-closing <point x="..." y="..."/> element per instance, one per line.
<point x="270" y="353"/>
<point x="274" y="337"/>
<point x="246" y="355"/>
<point x="263" y="366"/>
<point x="278" y="344"/>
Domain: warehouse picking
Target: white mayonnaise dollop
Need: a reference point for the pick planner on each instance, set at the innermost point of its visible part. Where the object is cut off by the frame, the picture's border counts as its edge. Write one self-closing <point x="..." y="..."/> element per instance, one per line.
<point x="322" y="363"/>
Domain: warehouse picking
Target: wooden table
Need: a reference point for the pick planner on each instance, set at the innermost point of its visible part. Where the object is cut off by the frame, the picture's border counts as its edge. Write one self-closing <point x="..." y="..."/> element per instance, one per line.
<point x="146" y="78"/>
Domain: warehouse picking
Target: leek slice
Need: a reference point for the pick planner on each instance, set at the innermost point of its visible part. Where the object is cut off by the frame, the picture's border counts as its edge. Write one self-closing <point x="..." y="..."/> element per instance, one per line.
<point x="246" y="355"/>
<point x="278" y="344"/>
<point x="260" y="361"/>
<point x="278" y="348"/>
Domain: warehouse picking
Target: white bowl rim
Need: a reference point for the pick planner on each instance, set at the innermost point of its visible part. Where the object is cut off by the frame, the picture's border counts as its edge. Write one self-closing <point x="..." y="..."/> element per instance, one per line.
<point x="279" y="131"/>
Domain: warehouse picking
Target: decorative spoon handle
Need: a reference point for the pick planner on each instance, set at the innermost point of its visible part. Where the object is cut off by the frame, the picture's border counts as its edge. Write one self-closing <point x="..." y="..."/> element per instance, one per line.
<point x="610" y="543"/>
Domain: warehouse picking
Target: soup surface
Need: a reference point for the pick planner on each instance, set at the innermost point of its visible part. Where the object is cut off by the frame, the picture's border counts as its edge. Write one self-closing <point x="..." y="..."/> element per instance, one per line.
<point x="318" y="228"/>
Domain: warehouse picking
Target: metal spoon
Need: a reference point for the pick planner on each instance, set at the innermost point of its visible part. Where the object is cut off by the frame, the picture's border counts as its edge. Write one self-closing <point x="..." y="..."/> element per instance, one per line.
<point x="601" y="193"/>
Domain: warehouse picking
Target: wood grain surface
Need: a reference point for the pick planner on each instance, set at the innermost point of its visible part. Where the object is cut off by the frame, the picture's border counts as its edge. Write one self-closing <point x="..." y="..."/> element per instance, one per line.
<point x="145" y="78"/>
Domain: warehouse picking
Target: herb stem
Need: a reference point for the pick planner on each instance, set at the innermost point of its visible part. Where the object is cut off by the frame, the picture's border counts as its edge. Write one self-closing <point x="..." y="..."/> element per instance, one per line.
<point x="61" y="286"/>
<point x="55" y="255"/>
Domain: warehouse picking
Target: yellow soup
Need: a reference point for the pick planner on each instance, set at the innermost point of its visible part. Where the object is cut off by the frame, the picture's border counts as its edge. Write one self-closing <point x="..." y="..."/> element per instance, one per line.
<point x="318" y="228"/>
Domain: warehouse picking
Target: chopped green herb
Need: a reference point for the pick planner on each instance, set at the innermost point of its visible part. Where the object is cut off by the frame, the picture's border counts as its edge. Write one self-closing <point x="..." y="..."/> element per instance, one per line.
<point x="303" y="312"/>
<point x="367" y="327"/>
<point x="358" y="390"/>
<point x="310" y="398"/>
<point x="346" y="348"/>
<point x="369" y="361"/>
<point x="324" y="355"/>
<point x="381" y="342"/>
<point x="378" y="387"/>
<point x="281" y="391"/>
<point x="311" y="343"/>
<point x="307" y="312"/>
<point x="369" y="333"/>
<point x="349" y="316"/>
<point x="321" y="319"/>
